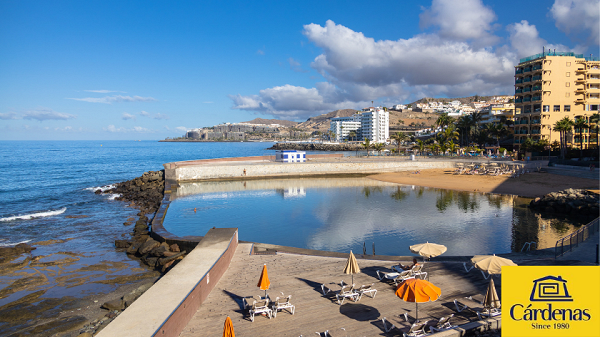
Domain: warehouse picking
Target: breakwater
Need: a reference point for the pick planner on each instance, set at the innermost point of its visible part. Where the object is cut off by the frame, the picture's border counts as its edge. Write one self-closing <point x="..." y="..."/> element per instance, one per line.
<point x="316" y="147"/>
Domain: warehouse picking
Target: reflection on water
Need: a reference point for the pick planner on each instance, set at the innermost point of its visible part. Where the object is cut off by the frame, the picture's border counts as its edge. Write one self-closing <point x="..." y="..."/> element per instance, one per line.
<point x="340" y="214"/>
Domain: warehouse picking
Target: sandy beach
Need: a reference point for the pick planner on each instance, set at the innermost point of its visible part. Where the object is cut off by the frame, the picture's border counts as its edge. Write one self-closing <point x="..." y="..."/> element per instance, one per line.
<point x="528" y="185"/>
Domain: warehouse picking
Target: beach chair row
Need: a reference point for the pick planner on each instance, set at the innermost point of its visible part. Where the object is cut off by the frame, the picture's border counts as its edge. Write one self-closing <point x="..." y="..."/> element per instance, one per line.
<point x="257" y="305"/>
<point x="492" y="169"/>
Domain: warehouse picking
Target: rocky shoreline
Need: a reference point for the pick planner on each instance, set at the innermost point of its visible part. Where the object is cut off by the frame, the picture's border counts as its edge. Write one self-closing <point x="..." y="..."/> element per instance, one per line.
<point x="578" y="203"/>
<point x="315" y="147"/>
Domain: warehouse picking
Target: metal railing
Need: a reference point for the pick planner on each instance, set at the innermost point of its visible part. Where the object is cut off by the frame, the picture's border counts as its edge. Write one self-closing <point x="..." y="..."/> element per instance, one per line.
<point x="567" y="243"/>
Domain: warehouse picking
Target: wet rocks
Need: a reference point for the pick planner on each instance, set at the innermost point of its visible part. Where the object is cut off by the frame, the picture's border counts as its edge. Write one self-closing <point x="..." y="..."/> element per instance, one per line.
<point x="8" y="252"/>
<point x="315" y="147"/>
<point x="573" y="202"/>
<point x="146" y="192"/>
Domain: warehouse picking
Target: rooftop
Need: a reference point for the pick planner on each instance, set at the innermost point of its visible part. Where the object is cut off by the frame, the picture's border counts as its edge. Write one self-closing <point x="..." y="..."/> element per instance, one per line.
<point x="557" y="53"/>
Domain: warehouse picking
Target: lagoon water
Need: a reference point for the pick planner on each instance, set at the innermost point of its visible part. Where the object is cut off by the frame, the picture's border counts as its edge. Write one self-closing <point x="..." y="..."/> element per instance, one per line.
<point x="343" y="214"/>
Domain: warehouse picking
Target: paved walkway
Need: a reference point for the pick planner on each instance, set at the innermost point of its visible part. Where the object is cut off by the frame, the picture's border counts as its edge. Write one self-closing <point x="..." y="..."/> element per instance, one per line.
<point x="584" y="252"/>
<point x="573" y="171"/>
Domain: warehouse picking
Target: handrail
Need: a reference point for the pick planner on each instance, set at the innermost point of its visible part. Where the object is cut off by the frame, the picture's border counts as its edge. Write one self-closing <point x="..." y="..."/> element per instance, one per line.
<point x="528" y="245"/>
<point x="575" y="238"/>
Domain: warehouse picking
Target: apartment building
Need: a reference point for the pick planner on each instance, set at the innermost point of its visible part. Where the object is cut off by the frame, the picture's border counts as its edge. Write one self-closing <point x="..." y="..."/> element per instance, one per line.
<point x="553" y="85"/>
<point x="371" y="123"/>
<point x="342" y="127"/>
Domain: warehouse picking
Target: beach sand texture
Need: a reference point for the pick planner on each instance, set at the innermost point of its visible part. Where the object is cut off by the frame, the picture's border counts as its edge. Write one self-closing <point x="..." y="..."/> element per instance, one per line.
<point x="529" y="185"/>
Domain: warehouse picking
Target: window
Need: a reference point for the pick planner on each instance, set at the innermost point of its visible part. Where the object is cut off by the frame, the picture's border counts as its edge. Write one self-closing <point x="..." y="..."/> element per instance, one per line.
<point x="568" y="94"/>
<point x="568" y="84"/>
<point x="568" y="74"/>
<point x="557" y="108"/>
<point x="546" y="108"/>
<point x="568" y="64"/>
<point x="567" y="108"/>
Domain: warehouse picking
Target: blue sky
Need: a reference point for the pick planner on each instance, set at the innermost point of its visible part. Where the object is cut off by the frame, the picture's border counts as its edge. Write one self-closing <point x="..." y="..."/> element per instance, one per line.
<point x="150" y="70"/>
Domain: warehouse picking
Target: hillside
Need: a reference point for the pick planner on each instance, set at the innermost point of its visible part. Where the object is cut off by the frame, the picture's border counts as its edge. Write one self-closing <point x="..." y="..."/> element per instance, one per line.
<point x="321" y="122"/>
<point x="263" y="121"/>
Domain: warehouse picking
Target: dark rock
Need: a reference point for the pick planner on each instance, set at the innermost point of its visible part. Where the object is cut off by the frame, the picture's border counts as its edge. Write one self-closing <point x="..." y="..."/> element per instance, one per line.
<point x="165" y="260"/>
<point x="134" y="247"/>
<point x="147" y="246"/>
<point x="16" y="250"/>
<point x="122" y="243"/>
<point x="149" y="260"/>
<point x="114" y="305"/>
<point x="174" y="248"/>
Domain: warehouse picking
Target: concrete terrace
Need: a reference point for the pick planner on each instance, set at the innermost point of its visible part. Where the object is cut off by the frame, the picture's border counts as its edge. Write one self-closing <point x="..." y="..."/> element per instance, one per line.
<point x="302" y="276"/>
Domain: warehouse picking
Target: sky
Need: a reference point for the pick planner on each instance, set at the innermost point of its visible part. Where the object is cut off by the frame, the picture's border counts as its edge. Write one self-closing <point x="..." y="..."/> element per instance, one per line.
<point x="147" y="70"/>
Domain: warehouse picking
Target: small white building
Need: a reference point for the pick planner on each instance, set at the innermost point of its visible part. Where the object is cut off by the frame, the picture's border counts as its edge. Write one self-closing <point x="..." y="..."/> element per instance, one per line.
<point x="290" y="156"/>
<point x="343" y="126"/>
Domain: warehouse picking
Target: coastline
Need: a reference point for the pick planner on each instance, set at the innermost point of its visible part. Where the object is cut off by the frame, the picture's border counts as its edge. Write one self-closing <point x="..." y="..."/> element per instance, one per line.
<point x="530" y="185"/>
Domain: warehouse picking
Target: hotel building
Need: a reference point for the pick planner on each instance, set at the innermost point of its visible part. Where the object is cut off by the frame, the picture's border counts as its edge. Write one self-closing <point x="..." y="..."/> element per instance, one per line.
<point x="553" y="85"/>
<point x="371" y="123"/>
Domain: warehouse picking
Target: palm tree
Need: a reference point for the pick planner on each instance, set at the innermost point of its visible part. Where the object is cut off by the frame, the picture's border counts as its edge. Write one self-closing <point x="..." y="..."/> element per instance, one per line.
<point x="378" y="147"/>
<point x="444" y="120"/>
<point x="399" y="137"/>
<point x="419" y="146"/>
<point x="367" y="145"/>
<point x="595" y="124"/>
<point x="464" y="124"/>
<point x="496" y="130"/>
<point x="452" y="147"/>
<point x="449" y="134"/>
<point x="563" y="126"/>
<point x="579" y="125"/>
<point x="352" y="134"/>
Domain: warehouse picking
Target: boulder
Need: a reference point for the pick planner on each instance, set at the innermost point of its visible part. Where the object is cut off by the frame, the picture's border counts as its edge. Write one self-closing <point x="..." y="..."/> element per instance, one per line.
<point x="134" y="247"/>
<point x="122" y="243"/>
<point x="174" y="248"/>
<point x="147" y="246"/>
<point x="16" y="250"/>
<point x="117" y="304"/>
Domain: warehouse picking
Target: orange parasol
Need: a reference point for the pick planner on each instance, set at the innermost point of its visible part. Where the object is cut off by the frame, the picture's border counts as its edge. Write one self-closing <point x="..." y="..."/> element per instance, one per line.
<point x="228" y="328"/>
<point x="263" y="282"/>
<point x="418" y="291"/>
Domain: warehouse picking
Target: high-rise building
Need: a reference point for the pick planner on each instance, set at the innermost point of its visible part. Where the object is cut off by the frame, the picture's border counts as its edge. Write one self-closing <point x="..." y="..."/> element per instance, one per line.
<point x="371" y="123"/>
<point x="553" y="85"/>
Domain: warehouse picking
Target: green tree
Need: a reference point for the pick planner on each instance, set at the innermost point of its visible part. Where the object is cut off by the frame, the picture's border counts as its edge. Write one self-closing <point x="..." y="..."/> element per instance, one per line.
<point x="419" y="146"/>
<point x="379" y="147"/>
<point x="496" y="130"/>
<point x="399" y="137"/>
<point x="579" y="125"/>
<point x="352" y="134"/>
<point x="464" y="125"/>
<point x="367" y="145"/>
<point x="444" y="120"/>
<point x="595" y="124"/>
<point x="563" y="126"/>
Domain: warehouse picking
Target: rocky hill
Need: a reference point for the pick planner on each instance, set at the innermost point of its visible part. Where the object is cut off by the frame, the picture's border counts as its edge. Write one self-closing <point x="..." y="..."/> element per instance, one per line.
<point x="321" y="122"/>
<point x="263" y="121"/>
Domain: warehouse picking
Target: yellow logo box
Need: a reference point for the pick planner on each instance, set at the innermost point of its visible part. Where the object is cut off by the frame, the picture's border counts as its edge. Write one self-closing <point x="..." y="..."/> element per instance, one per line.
<point x="550" y="301"/>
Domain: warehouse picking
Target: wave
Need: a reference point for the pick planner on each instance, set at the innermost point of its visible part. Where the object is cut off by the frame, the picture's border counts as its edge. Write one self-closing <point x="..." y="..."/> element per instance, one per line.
<point x="101" y="188"/>
<point x="113" y="196"/>
<point x="34" y="215"/>
<point x="13" y="243"/>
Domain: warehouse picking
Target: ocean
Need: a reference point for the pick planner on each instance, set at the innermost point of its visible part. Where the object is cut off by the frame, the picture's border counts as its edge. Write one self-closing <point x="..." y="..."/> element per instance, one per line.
<point x="47" y="200"/>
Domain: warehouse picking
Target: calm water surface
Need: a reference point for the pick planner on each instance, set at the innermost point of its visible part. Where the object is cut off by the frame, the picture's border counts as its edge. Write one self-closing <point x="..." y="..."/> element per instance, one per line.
<point x="343" y="214"/>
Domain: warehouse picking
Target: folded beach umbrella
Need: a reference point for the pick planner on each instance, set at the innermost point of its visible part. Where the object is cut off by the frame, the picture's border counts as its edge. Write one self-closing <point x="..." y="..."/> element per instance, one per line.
<point x="428" y="250"/>
<point x="417" y="291"/>
<point x="351" y="266"/>
<point x="263" y="282"/>
<point x="228" y="328"/>
<point x="491" y="299"/>
<point x="491" y="264"/>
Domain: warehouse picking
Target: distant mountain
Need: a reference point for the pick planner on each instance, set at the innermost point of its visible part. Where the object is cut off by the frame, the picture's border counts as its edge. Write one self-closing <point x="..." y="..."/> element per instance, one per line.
<point x="263" y="121"/>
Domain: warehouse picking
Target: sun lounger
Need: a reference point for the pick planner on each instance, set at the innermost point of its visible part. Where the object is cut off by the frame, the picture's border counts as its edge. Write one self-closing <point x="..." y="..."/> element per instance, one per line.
<point x="366" y="289"/>
<point x="260" y="307"/>
<point x="475" y="306"/>
<point x="346" y="292"/>
<point x="418" y="271"/>
<point x="417" y="330"/>
<point x="442" y="324"/>
<point x="387" y="326"/>
<point x="283" y="303"/>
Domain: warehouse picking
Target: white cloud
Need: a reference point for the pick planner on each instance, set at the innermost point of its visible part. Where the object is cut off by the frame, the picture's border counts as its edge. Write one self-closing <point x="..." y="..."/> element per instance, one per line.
<point x="41" y="114"/>
<point x="525" y="40"/>
<point x="103" y="91"/>
<point x="115" y="98"/>
<point x="160" y="116"/>
<point x="578" y="17"/>
<point x="135" y="129"/>
<point x="181" y="128"/>
<point x="144" y="113"/>
<point x="461" y="20"/>
<point x="127" y="116"/>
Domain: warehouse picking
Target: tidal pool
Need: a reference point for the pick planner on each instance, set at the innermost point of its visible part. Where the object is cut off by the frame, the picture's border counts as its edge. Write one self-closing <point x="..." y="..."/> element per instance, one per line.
<point x="343" y="214"/>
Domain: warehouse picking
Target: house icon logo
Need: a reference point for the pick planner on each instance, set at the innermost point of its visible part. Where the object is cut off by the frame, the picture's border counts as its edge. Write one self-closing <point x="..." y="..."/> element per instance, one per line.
<point x="550" y="289"/>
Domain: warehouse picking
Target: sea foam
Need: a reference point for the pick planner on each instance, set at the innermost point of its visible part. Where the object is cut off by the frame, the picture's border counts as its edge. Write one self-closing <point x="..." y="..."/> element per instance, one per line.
<point x="34" y="215"/>
<point x="101" y="188"/>
<point x="12" y="244"/>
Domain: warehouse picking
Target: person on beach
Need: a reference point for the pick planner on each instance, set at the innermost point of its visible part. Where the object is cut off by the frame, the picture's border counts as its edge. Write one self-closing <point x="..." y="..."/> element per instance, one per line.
<point x="409" y="267"/>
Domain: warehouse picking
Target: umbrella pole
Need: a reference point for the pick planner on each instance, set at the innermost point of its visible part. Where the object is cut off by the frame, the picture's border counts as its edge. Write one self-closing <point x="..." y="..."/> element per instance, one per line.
<point x="416" y="312"/>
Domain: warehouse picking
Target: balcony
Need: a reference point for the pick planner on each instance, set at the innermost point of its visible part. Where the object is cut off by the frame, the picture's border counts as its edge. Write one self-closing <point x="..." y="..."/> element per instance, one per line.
<point x="527" y="79"/>
<point x="527" y="89"/>
<point x="516" y="141"/>
<point x="518" y="71"/>
<point x="537" y="67"/>
<point x="527" y="69"/>
<point x="536" y="78"/>
<point x="535" y="121"/>
<point x="580" y="80"/>
<point x="518" y="90"/>
<point x="527" y="99"/>
<point x="536" y="88"/>
<point x="580" y="71"/>
<point x="535" y="132"/>
<point x="536" y="98"/>
<point x="523" y="132"/>
<point x="519" y="100"/>
<point x="518" y="81"/>
<point x="523" y="121"/>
